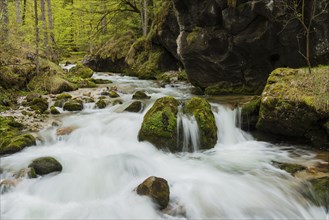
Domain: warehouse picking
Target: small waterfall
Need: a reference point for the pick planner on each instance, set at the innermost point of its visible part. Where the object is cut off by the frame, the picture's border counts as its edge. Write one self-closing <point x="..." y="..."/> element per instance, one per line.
<point x="229" y="123"/>
<point x="188" y="127"/>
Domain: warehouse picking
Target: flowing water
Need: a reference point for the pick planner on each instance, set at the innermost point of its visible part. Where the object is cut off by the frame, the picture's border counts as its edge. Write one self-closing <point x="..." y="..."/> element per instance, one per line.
<point x="103" y="162"/>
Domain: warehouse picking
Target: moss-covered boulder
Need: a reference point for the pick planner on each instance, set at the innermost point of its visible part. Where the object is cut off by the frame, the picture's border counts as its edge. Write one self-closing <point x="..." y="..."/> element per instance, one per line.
<point x="140" y="95"/>
<point x="294" y="103"/>
<point x="45" y="165"/>
<point x="39" y="104"/>
<point x="101" y="104"/>
<point x="54" y="111"/>
<point x="64" y="96"/>
<point x="320" y="188"/>
<point x="157" y="189"/>
<point x="249" y="114"/>
<point x="12" y="143"/>
<point x="73" y="105"/>
<point x="136" y="106"/>
<point x="82" y="71"/>
<point x="114" y="94"/>
<point x="289" y="167"/>
<point x="201" y="110"/>
<point x="159" y="126"/>
<point x="31" y="96"/>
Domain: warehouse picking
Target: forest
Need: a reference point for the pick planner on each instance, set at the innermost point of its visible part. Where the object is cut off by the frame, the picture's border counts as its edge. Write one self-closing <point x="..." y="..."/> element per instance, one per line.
<point x="164" y="109"/>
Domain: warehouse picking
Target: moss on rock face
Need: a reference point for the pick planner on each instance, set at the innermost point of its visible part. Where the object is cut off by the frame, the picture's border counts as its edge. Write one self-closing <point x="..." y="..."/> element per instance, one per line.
<point x="136" y="106"/>
<point x="294" y="103"/>
<point x="45" y="165"/>
<point x="62" y="96"/>
<point x="73" y="105"/>
<point x="54" y="111"/>
<point x="160" y="124"/>
<point x="201" y="110"/>
<point x="114" y="94"/>
<point x="82" y="71"/>
<point x="249" y="113"/>
<point x="157" y="189"/>
<point x="101" y="81"/>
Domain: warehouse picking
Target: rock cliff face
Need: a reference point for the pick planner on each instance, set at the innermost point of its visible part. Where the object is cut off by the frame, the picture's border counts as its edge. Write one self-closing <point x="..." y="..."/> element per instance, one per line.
<point x="232" y="48"/>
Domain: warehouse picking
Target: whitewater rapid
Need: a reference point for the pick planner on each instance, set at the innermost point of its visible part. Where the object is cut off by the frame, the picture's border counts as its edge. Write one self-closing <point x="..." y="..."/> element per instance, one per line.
<point x="103" y="162"/>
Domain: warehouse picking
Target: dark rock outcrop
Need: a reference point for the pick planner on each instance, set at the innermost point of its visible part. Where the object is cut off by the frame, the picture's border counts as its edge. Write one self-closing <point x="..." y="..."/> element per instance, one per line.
<point x="136" y="106"/>
<point x="232" y="48"/>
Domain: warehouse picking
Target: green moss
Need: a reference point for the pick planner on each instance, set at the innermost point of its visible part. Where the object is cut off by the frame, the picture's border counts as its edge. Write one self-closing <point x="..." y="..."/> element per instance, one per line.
<point x="101" y="81"/>
<point x="45" y="165"/>
<point x="192" y="36"/>
<point x="54" y="111"/>
<point x="289" y="167"/>
<point x="201" y="110"/>
<point x="225" y="88"/>
<point x="101" y="104"/>
<point x="113" y="94"/>
<point x="39" y="104"/>
<point x="81" y="71"/>
<point x="13" y="144"/>
<point x="160" y="124"/>
<point x="63" y="96"/>
<point x="73" y="105"/>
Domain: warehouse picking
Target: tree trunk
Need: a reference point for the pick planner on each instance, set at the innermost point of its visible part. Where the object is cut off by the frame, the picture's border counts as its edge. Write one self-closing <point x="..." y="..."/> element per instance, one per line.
<point x="44" y="23"/>
<point x="104" y="20"/>
<point x="50" y="23"/>
<point x="5" y="19"/>
<point x="18" y="12"/>
<point x="36" y="20"/>
<point x="24" y="12"/>
<point x="145" y="28"/>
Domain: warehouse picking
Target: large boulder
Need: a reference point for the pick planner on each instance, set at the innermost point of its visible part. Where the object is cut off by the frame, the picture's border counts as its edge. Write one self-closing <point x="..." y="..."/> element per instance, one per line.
<point x="160" y="124"/>
<point x="294" y="103"/>
<point x="201" y="110"/>
<point x="157" y="189"/>
<point x="45" y="165"/>
<point x="231" y="46"/>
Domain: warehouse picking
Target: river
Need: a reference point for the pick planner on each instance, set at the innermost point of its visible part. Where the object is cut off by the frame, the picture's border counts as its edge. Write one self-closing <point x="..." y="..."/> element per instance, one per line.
<point x="103" y="162"/>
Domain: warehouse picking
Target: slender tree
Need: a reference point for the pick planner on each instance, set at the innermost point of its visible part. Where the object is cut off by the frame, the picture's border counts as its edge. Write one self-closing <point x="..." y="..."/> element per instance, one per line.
<point x="24" y="12"/>
<point x="36" y="22"/>
<point x="44" y="23"/>
<point x="18" y="12"/>
<point x="4" y="19"/>
<point x="50" y="23"/>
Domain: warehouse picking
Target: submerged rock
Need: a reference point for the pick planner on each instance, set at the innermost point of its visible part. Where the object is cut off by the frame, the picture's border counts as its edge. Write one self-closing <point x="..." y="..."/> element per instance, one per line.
<point x="201" y="110"/>
<point x="136" y="106"/>
<point x="159" y="126"/>
<point x="101" y="81"/>
<point x="45" y="165"/>
<point x="320" y="188"/>
<point x="140" y="95"/>
<point x="73" y="105"/>
<point x="289" y="167"/>
<point x="157" y="189"/>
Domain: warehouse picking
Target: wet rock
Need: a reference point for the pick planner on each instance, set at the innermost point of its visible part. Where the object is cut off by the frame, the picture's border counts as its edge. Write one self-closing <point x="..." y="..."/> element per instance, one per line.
<point x="113" y="94"/>
<point x="7" y="184"/>
<point x="82" y="71"/>
<point x="289" y="167"/>
<point x="64" y="96"/>
<point x="201" y="110"/>
<point x="101" y="81"/>
<point x="140" y="95"/>
<point x="54" y="111"/>
<point x="136" y="106"/>
<point x="249" y="114"/>
<point x="105" y="93"/>
<point x="320" y="188"/>
<point x="117" y="102"/>
<point x="45" y="165"/>
<point x="101" y="104"/>
<point x="65" y="130"/>
<point x="17" y="143"/>
<point x="157" y="189"/>
<point x="73" y="105"/>
<point x="159" y="126"/>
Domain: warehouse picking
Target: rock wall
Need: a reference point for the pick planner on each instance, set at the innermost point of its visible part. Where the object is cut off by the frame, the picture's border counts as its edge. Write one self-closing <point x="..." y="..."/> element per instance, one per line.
<point x="232" y="48"/>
